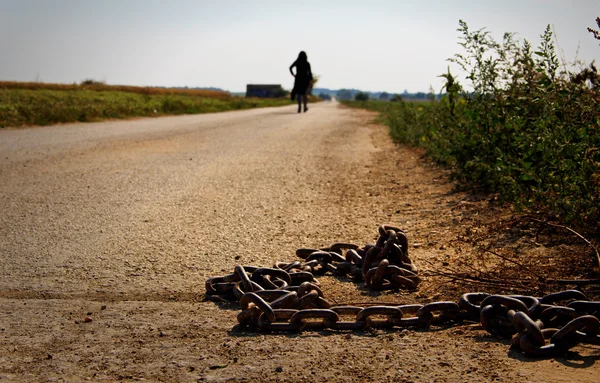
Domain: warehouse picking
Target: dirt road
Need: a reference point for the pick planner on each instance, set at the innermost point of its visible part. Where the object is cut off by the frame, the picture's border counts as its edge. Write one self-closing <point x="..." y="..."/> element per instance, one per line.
<point x="122" y="222"/>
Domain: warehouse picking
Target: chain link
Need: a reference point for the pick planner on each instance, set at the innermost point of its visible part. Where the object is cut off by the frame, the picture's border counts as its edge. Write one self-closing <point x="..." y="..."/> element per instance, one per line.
<point x="288" y="297"/>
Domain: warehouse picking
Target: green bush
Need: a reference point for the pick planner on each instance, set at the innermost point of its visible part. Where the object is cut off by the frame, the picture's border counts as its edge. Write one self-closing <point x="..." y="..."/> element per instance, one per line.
<point x="361" y="96"/>
<point x="524" y="128"/>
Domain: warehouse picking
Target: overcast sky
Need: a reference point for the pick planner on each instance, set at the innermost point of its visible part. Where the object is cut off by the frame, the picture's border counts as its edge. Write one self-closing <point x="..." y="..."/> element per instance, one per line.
<point x="375" y="45"/>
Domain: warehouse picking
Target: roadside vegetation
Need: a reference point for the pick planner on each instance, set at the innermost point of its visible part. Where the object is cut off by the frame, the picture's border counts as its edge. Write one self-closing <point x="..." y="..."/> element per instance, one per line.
<point x="526" y="126"/>
<point x="35" y="103"/>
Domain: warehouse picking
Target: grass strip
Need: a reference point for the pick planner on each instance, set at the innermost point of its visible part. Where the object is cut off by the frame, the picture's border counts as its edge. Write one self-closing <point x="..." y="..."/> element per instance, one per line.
<point x="44" y="106"/>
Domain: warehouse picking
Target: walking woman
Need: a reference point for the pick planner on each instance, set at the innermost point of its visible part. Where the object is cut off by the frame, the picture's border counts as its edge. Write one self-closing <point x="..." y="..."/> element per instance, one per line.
<point x="303" y="81"/>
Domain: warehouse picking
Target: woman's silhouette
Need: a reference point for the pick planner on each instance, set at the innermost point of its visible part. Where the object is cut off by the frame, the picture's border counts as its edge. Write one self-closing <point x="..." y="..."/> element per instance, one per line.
<point x="303" y="80"/>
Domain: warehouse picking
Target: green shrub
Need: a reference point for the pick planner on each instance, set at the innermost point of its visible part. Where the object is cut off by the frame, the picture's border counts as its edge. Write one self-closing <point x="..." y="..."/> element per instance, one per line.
<point x="524" y="128"/>
<point x="361" y="96"/>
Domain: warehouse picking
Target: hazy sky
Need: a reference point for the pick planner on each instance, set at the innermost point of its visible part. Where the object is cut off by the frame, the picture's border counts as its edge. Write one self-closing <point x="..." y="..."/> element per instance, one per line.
<point x="375" y="45"/>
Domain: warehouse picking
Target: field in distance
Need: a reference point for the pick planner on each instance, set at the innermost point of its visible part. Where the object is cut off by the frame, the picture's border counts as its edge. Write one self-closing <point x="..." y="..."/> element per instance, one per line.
<point x="35" y="103"/>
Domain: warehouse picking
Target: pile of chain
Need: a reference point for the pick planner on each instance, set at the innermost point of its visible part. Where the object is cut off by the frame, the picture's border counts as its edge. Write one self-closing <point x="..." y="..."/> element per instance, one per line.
<point x="384" y="265"/>
<point x="287" y="297"/>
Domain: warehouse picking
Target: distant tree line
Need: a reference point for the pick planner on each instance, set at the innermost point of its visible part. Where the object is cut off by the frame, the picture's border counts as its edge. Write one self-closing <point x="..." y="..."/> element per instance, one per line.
<point x="351" y="94"/>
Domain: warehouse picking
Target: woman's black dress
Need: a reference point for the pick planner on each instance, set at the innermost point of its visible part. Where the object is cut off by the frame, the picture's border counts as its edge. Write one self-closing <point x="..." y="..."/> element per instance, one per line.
<point x="303" y="78"/>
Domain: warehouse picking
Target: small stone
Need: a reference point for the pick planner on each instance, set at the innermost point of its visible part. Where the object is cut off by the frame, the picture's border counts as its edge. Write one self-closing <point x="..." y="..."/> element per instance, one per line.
<point x="89" y="313"/>
<point x="445" y="264"/>
<point x="162" y="334"/>
<point x="103" y="307"/>
<point x="49" y="356"/>
<point x="88" y="320"/>
<point x="279" y="369"/>
<point x="348" y="336"/>
<point x="218" y="366"/>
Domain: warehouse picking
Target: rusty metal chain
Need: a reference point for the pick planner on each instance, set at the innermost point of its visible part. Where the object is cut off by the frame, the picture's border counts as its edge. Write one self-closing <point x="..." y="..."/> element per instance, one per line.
<point x="287" y="297"/>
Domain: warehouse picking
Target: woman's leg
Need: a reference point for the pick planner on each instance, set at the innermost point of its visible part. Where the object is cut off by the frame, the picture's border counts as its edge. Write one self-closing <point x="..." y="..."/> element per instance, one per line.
<point x="305" y="97"/>
<point x="299" y="96"/>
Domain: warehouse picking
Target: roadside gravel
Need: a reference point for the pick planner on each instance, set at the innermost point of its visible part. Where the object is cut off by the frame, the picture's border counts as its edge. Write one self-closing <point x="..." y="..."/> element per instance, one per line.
<point x="122" y="223"/>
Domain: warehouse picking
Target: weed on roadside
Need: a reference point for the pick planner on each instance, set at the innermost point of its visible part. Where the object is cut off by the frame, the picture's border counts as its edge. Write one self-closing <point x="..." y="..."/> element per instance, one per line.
<point x="525" y="128"/>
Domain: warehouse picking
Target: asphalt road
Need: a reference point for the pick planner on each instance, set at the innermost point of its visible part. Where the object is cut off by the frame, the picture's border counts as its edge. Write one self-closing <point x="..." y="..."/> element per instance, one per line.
<point x="122" y="222"/>
<point x="138" y="206"/>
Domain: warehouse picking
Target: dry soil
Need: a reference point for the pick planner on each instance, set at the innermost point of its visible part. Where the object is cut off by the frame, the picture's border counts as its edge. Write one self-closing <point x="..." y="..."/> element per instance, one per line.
<point x="109" y="230"/>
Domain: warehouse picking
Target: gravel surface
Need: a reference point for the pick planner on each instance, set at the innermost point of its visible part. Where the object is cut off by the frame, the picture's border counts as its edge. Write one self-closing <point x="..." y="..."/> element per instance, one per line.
<point x="109" y="230"/>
